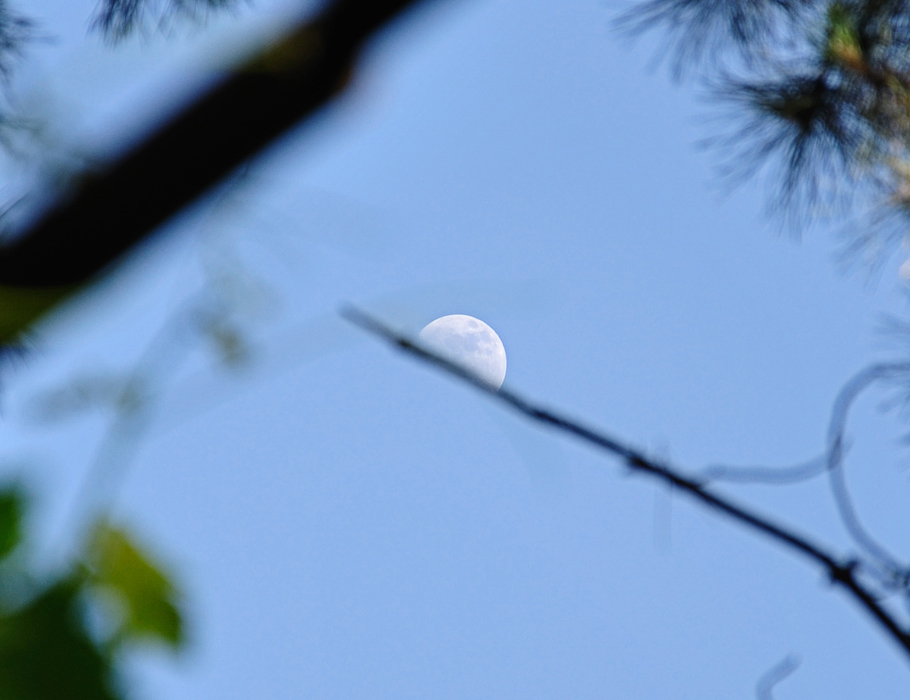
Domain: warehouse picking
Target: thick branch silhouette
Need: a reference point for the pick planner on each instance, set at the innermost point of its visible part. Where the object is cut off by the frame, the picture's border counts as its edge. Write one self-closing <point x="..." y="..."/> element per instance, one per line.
<point x="842" y="572"/>
<point x="108" y="211"/>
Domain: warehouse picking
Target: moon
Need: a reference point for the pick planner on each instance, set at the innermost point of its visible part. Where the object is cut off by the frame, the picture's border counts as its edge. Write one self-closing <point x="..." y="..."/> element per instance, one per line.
<point x="469" y="342"/>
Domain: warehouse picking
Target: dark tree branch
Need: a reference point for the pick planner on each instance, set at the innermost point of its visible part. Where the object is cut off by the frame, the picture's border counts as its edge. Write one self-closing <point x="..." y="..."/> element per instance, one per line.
<point x="840" y="572"/>
<point x="110" y="211"/>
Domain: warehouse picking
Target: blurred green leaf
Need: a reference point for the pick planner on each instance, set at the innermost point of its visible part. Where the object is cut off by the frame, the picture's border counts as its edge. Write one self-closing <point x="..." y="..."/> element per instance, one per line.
<point x="47" y="654"/>
<point x="145" y="597"/>
<point x="12" y="505"/>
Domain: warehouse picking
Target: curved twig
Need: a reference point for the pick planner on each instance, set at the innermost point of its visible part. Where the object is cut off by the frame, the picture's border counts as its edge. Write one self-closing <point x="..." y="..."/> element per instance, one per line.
<point x="841" y="572"/>
<point x="780" y="671"/>
<point x="767" y="475"/>
<point x="835" y="464"/>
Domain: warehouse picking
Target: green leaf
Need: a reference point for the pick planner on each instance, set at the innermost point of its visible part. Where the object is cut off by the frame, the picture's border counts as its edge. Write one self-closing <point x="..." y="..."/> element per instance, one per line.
<point x="146" y="599"/>
<point x="46" y="652"/>
<point x="12" y="505"/>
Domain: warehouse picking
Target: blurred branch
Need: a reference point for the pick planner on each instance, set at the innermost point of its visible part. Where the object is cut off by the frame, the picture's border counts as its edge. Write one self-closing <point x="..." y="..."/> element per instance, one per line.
<point x="890" y="572"/>
<point x="840" y="572"/>
<point x="109" y="211"/>
<point x="764" y="689"/>
<point x="767" y="475"/>
<point x="135" y="396"/>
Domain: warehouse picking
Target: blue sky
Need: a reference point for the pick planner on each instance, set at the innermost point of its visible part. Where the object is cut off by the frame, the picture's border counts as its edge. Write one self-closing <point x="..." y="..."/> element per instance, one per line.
<point x="348" y="524"/>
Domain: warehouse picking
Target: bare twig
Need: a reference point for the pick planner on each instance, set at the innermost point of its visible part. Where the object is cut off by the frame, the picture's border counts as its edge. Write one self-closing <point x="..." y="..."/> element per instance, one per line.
<point x="882" y="564"/>
<point x="136" y="398"/>
<point x="893" y="569"/>
<point x="767" y="475"/>
<point x="764" y="689"/>
<point x="840" y="571"/>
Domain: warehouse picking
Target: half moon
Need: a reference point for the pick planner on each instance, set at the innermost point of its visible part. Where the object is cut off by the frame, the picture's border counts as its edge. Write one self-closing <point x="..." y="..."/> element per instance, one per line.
<point x="470" y="343"/>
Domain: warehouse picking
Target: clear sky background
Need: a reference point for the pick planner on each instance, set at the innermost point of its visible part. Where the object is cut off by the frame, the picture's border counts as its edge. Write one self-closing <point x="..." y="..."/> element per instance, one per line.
<point x="346" y="523"/>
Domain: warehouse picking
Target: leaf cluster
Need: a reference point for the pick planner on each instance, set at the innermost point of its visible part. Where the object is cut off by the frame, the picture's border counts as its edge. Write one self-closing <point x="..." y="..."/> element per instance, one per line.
<point x="64" y="635"/>
<point x="819" y="90"/>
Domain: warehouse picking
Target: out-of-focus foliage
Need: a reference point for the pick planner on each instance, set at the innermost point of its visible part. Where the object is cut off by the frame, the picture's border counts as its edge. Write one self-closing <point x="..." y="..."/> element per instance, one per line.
<point x="63" y="636"/>
<point x="821" y="89"/>
<point x="47" y="652"/>
<point x="117" y="19"/>
<point x="15" y="31"/>
<point x="10" y="522"/>
<point x="142" y="599"/>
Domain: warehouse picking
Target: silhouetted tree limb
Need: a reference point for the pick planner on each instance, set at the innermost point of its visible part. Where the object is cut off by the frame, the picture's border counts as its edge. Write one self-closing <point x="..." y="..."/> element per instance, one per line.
<point x="109" y="211"/>
<point x="840" y="571"/>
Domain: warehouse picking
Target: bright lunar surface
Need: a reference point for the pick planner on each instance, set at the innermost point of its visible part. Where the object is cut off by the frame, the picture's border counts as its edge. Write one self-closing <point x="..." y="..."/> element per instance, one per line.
<point x="469" y="342"/>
